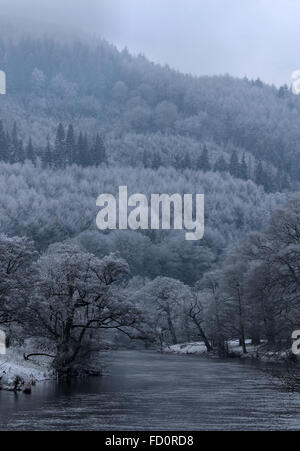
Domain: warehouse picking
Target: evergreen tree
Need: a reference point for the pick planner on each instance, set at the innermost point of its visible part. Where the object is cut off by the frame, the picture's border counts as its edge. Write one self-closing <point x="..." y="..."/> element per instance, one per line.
<point x="29" y="152"/>
<point x="3" y="144"/>
<point x="283" y="182"/>
<point x="21" y="153"/>
<point x="259" y="174"/>
<point x="79" y="150"/>
<point x="244" y="172"/>
<point x="187" y="164"/>
<point x="47" y="157"/>
<point x="177" y="162"/>
<point x="145" y="159"/>
<point x="156" y="161"/>
<point x="98" y="152"/>
<point x="258" y="83"/>
<point x="83" y="154"/>
<point x="14" y="145"/>
<point x="88" y="161"/>
<point x="70" y="146"/>
<point x="221" y="165"/>
<point x="203" y="163"/>
<point x="283" y="92"/>
<point x="234" y="166"/>
<point x="59" y="156"/>
<point x="269" y="183"/>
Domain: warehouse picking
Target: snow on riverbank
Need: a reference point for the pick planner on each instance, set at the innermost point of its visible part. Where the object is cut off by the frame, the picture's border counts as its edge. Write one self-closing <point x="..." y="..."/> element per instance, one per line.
<point x="187" y="348"/>
<point x="14" y="369"/>
<point x="253" y="352"/>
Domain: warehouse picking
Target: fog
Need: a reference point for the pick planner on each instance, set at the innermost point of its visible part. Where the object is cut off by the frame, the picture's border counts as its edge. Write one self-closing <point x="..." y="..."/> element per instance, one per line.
<point x="254" y="38"/>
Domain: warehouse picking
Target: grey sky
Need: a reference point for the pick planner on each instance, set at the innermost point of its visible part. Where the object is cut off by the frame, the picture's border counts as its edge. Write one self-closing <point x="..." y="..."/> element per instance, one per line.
<point x="240" y="37"/>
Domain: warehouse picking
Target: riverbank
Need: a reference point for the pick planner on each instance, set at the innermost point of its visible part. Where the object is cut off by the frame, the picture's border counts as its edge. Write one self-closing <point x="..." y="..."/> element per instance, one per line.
<point x="261" y="352"/>
<point x="17" y="374"/>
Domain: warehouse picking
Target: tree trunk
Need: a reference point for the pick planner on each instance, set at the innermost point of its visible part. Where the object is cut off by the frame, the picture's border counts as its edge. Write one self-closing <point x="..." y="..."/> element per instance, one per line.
<point x="205" y="339"/>
<point x="244" y="342"/>
<point x="171" y="326"/>
<point x="242" y="328"/>
<point x="203" y="336"/>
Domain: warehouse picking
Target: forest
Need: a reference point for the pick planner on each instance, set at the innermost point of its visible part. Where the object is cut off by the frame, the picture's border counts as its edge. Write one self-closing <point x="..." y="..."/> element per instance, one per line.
<point x="81" y="119"/>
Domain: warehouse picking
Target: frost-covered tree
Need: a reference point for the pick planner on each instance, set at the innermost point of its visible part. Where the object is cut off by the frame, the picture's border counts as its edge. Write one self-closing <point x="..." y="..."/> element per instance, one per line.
<point x="203" y="163"/>
<point x="165" y="299"/>
<point x="77" y="296"/>
<point x="16" y="277"/>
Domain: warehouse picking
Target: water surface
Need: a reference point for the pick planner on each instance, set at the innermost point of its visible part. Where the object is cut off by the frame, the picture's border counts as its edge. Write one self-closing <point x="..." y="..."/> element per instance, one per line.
<point x="149" y="391"/>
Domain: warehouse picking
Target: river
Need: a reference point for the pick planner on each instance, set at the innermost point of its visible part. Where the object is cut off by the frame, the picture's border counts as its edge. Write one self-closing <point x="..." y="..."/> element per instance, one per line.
<point x="149" y="391"/>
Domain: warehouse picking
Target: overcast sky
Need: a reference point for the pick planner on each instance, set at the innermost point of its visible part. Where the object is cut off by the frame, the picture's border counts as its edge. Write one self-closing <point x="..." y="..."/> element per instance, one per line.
<point x="256" y="38"/>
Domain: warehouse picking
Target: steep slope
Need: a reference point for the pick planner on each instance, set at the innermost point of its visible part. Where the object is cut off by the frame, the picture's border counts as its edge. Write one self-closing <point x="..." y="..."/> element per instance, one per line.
<point x="98" y="89"/>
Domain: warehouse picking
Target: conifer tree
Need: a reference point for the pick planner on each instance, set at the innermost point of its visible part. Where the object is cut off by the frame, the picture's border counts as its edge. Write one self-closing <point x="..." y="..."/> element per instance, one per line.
<point x="187" y="164"/>
<point x="47" y="157"/>
<point x="59" y="157"/>
<point x="263" y="178"/>
<point x="234" y="166"/>
<point x="29" y="152"/>
<point x="203" y="163"/>
<point x="244" y="172"/>
<point x="98" y="152"/>
<point x="156" y="162"/>
<point x="145" y="159"/>
<point x="259" y="174"/>
<point x="221" y="165"/>
<point x="177" y="162"/>
<point x="21" y="153"/>
<point x="83" y="155"/>
<point x="3" y="144"/>
<point x="13" y="146"/>
<point x="70" y="146"/>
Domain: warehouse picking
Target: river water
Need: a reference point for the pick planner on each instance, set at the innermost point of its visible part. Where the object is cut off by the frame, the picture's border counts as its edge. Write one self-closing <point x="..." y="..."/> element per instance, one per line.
<point x="149" y="391"/>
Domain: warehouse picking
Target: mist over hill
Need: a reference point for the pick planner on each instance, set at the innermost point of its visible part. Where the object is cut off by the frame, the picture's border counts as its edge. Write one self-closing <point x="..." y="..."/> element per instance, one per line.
<point x="128" y="100"/>
<point x="79" y="101"/>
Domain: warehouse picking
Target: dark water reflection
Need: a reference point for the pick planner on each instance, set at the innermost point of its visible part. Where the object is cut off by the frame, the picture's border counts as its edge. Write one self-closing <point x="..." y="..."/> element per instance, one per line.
<point x="147" y="391"/>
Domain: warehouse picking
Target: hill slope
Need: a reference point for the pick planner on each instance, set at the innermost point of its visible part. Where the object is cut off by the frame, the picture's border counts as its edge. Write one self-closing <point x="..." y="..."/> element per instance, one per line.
<point x="98" y="89"/>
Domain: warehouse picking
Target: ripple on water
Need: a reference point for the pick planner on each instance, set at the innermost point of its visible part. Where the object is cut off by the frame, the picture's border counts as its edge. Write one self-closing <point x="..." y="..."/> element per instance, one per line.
<point x="147" y="391"/>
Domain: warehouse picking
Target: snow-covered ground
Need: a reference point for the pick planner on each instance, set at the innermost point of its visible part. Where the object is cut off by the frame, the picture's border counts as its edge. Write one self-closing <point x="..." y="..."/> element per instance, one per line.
<point x="13" y="366"/>
<point x="254" y="352"/>
<point x="187" y="348"/>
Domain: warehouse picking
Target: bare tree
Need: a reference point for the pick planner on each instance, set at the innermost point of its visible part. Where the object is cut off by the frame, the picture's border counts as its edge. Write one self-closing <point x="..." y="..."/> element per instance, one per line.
<point x="196" y="313"/>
